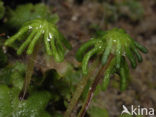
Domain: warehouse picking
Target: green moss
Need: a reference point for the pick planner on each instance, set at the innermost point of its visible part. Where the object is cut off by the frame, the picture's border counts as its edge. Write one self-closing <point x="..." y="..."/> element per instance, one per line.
<point x="10" y="105"/>
<point x="23" y="13"/>
<point x="34" y="106"/>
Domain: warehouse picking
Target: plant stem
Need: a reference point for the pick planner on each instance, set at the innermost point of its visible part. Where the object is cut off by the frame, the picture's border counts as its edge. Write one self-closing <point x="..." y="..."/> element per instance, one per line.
<point x="93" y="88"/>
<point x="79" y="89"/>
<point x="29" y="71"/>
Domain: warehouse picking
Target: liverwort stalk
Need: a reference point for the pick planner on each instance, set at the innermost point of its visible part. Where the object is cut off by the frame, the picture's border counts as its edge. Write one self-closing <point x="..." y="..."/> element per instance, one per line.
<point x="39" y="30"/>
<point x="93" y="87"/>
<point x="79" y="89"/>
<point x="29" y="70"/>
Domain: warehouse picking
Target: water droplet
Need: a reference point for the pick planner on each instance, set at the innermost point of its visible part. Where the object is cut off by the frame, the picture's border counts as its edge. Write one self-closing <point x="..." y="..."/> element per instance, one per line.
<point x="114" y="40"/>
<point x="50" y="35"/>
<point x="30" y="27"/>
<point x="48" y="39"/>
<point x="4" y="49"/>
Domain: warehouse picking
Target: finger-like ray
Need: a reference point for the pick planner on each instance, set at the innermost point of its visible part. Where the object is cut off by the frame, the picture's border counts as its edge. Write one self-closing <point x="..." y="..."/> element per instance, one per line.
<point x="140" y="47"/>
<point x="107" y="74"/>
<point x="16" y="36"/>
<point x="59" y="44"/>
<point x="86" y="60"/>
<point x="25" y="44"/>
<point x="118" y="54"/>
<point x="138" y="55"/>
<point x="83" y="48"/>
<point x="60" y="53"/>
<point x="107" y="52"/>
<point x="60" y="49"/>
<point x="123" y="79"/>
<point x="124" y="74"/>
<point x="56" y="54"/>
<point x="47" y="42"/>
<point x="131" y="58"/>
<point x="33" y="42"/>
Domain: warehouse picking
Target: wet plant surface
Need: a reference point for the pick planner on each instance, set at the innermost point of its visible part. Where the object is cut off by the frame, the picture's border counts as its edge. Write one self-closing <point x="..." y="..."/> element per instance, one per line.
<point x="79" y="20"/>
